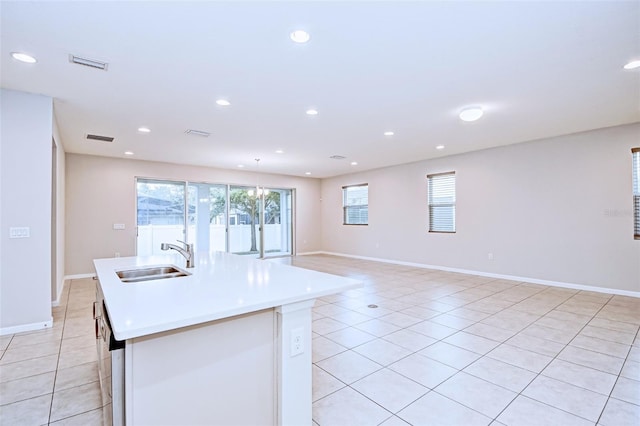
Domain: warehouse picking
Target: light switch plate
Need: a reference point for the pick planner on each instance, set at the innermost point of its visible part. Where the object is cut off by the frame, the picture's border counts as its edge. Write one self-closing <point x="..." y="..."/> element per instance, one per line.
<point x="118" y="226"/>
<point x="19" y="232"/>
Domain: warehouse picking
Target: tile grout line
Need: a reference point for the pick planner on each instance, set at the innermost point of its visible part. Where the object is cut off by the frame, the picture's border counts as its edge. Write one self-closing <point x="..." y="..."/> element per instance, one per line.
<point x="64" y="323"/>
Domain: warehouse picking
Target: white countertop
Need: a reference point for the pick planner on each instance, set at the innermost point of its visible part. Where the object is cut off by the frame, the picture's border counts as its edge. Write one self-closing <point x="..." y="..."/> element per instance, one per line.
<point x="222" y="285"/>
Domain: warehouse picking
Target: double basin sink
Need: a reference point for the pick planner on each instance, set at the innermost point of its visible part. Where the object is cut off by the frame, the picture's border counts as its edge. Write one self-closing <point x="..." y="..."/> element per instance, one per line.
<point x="150" y="273"/>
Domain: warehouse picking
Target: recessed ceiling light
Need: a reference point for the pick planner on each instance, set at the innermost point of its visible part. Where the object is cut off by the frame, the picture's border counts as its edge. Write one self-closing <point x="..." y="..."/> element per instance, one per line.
<point x="128" y="153"/>
<point x="354" y="163"/>
<point x="279" y="151"/>
<point x="307" y="173"/>
<point x="144" y="129"/>
<point x="471" y="113"/>
<point x="312" y="111"/>
<point x="240" y="166"/>
<point x="632" y="65"/>
<point x="223" y="102"/>
<point x="23" y="57"/>
<point x="389" y="133"/>
<point x="440" y="147"/>
<point x="300" y="36"/>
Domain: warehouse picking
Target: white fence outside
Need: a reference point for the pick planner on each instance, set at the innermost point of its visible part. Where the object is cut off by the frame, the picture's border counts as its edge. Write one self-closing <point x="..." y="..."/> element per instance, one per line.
<point x="151" y="236"/>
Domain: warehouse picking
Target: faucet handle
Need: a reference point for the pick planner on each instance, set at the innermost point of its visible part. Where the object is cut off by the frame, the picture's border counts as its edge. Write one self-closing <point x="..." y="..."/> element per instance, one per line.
<point x="189" y="247"/>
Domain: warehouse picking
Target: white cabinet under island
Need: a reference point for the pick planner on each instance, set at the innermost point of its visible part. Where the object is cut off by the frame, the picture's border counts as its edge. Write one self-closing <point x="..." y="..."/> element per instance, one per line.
<point x="229" y="344"/>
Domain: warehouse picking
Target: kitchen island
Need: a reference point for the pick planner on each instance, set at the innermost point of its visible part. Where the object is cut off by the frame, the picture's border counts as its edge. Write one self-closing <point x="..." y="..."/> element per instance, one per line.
<point x="228" y="344"/>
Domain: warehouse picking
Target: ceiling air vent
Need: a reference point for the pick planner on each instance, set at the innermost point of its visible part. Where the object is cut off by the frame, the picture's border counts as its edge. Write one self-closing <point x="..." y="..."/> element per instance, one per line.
<point x="198" y="133"/>
<point x="88" y="62"/>
<point x="337" y="157"/>
<point x="100" y="138"/>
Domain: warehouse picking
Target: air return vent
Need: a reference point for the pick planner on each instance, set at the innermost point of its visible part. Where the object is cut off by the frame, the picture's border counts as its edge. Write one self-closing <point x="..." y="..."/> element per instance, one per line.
<point x="88" y="62"/>
<point x="100" y="138"/>
<point x="198" y="133"/>
<point x="337" y="157"/>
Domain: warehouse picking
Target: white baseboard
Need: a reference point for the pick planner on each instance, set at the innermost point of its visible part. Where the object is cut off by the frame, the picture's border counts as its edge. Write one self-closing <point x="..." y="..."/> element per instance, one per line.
<point x="310" y="253"/>
<point x="26" y="327"/>
<point x="78" y="276"/>
<point x="492" y="275"/>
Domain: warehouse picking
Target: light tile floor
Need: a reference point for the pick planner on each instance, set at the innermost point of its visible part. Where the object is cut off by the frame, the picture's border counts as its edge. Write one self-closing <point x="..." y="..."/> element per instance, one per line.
<point x="445" y="348"/>
<point x="440" y="348"/>
<point x="51" y="376"/>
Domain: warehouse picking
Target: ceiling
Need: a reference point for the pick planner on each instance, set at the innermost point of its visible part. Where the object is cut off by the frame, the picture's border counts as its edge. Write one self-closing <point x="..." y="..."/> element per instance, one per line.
<point x="538" y="69"/>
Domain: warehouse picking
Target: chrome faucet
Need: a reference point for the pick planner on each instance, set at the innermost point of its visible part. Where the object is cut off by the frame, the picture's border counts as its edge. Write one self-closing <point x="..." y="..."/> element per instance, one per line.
<point x="187" y="251"/>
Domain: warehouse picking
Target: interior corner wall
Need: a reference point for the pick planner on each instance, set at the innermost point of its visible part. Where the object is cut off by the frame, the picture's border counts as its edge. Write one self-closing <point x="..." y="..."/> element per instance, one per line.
<point x="25" y="172"/>
<point x="100" y="191"/>
<point x="59" y="245"/>
<point x="556" y="210"/>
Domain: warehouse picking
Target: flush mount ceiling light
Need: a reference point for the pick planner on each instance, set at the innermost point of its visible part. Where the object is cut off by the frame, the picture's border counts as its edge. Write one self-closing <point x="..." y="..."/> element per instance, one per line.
<point x="471" y="113"/>
<point x="223" y="102"/>
<point x="632" y="65"/>
<point x="307" y="173"/>
<point x="312" y="111"/>
<point x="354" y="163"/>
<point x="128" y="153"/>
<point x="240" y="166"/>
<point x="144" y="129"/>
<point x="300" y="36"/>
<point x="23" y="57"/>
<point x="279" y="151"/>
<point x="389" y="133"/>
<point x="440" y="147"/>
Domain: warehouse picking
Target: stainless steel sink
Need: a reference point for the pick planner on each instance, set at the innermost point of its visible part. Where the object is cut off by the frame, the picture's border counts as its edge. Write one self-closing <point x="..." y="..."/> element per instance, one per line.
<point x="149" y="273"/>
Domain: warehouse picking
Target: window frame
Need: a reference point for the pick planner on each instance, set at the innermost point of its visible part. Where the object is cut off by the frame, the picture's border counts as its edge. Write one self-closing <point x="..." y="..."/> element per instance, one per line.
<point x="635" y="183"/>
<point x="346" y="207"/>
<point x="431" y="204"/>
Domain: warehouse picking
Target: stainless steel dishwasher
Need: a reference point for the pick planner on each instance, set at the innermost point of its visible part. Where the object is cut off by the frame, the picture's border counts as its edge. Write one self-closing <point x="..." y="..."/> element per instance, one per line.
<point x="110" y="364"/>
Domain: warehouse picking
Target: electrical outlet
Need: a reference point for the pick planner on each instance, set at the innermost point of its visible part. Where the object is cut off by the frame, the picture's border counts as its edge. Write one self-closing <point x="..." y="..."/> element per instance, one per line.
<point x="489" y="256"/>
<point x="297" y="341"/>
<point x="117" y="254"/>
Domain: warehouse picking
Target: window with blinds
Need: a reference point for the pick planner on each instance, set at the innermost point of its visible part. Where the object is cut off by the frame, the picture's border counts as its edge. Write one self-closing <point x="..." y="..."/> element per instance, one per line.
<point x="355" y="204"/>
<point x="441" y="190"/>
<point x="635" y="153"/>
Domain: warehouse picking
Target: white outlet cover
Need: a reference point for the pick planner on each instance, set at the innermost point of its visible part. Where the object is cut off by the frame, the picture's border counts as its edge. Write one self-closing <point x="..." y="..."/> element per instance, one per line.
<point x="297" y="341"/>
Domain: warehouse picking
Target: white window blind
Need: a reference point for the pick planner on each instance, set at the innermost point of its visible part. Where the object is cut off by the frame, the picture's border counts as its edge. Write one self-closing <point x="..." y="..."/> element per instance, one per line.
<point x="635" y="153"/>
<point x="442" y="202"/>
<point x="355" y="204"/>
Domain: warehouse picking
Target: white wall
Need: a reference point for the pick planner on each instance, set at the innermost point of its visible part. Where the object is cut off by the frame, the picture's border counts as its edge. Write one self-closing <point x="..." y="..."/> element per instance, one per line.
<point x="558" y="210"/>
<point x="25" y="171"/>
<point x="101" y="191"/>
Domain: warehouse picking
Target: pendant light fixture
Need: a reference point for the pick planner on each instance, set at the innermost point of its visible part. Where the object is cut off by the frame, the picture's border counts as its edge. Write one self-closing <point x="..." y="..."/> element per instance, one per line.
<point x="259" y="191"/>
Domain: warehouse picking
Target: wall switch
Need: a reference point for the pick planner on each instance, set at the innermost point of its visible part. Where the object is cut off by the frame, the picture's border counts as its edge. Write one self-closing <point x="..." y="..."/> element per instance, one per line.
<point x="117" y="254"/>
<point x="19" y="232"/>
<point x="118" y="226"/>
<point x="489" y="256"/>
<point x="297" y="341"/>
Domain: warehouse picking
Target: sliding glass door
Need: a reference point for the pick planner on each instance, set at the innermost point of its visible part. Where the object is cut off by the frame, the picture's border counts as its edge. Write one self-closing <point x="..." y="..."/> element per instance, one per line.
<point x="207" y="217"/>
<point x="278" y="225"/>
<point x="238" y="219"/>
<point x="161" y="214"/>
